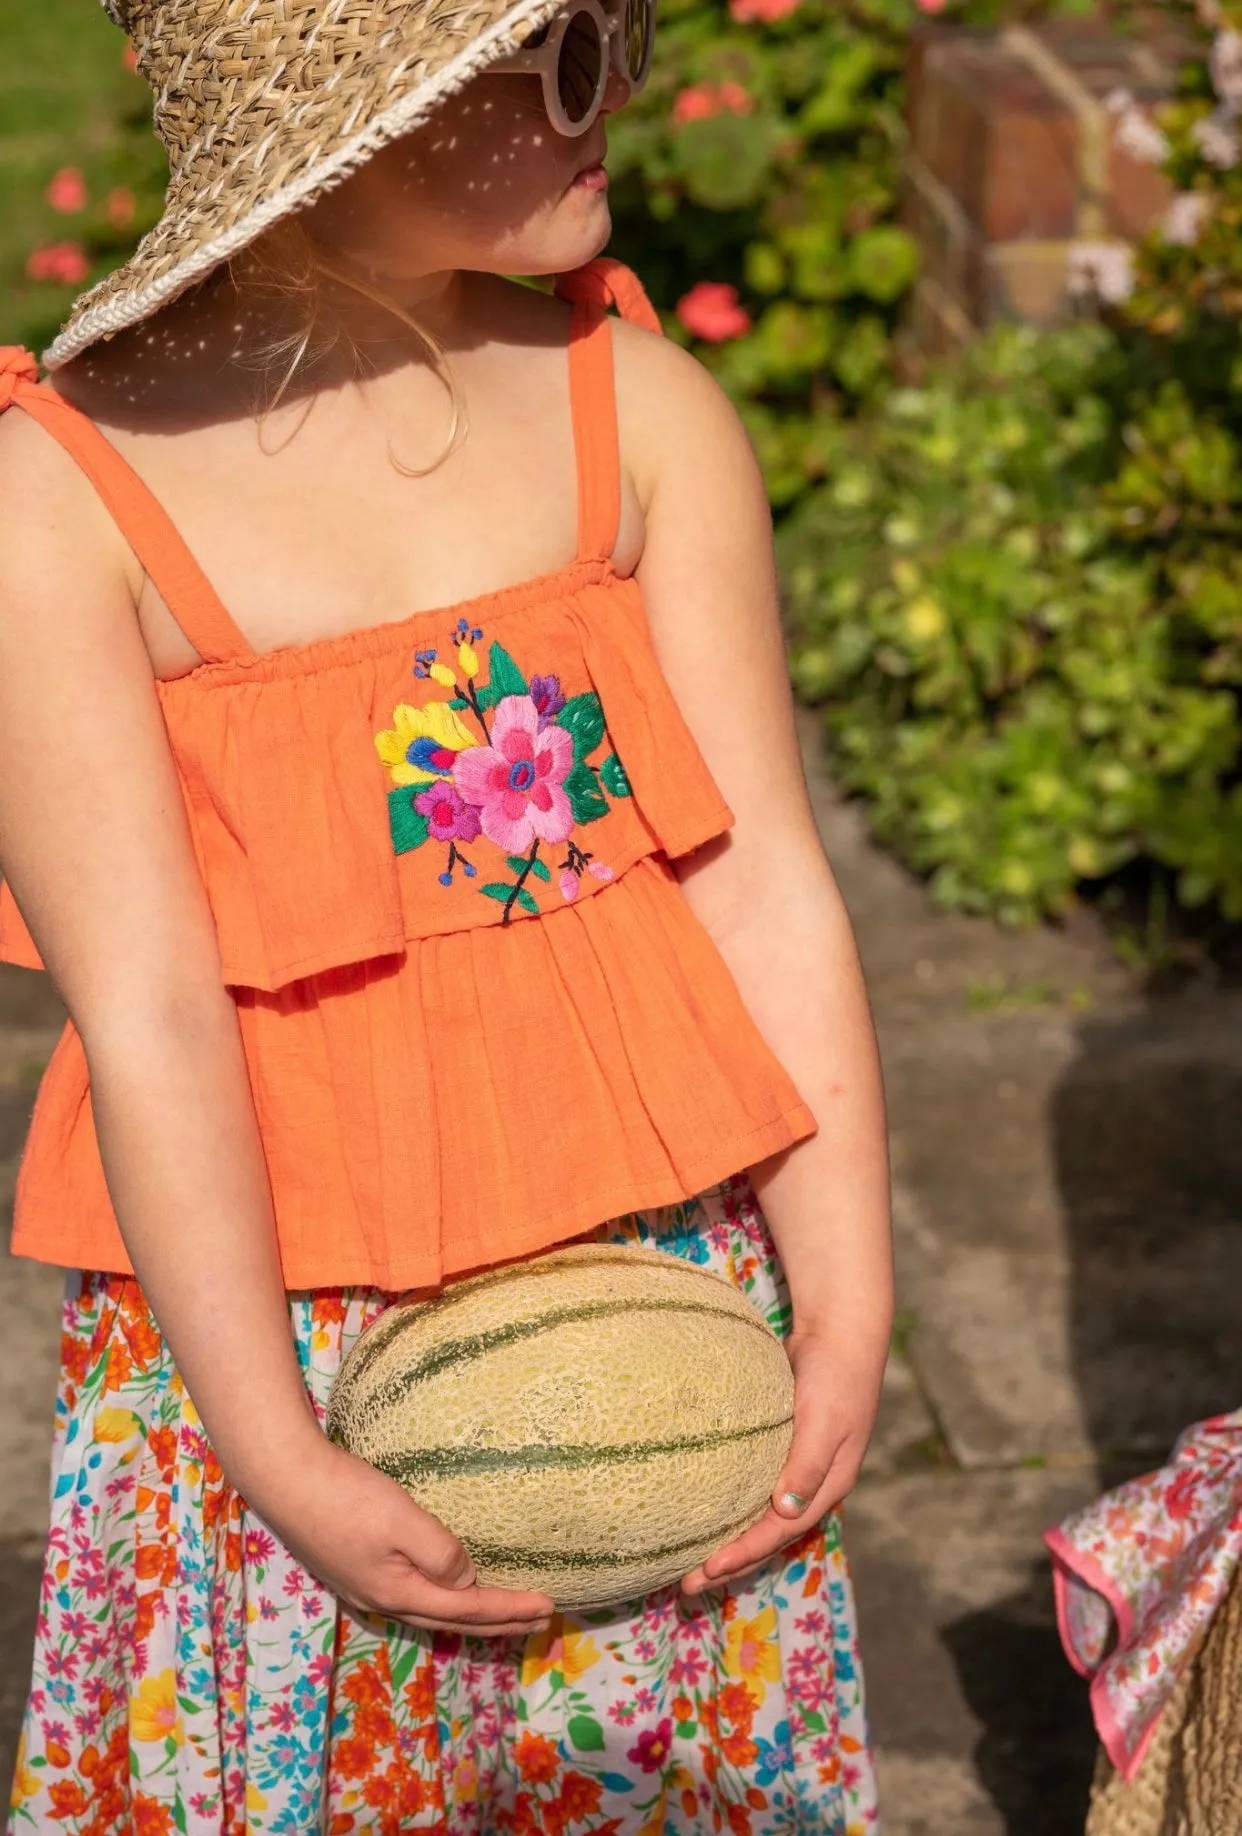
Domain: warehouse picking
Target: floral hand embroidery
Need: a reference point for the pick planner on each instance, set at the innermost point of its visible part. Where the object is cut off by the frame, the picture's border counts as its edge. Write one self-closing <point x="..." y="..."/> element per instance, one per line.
<point x="524" y="779"/>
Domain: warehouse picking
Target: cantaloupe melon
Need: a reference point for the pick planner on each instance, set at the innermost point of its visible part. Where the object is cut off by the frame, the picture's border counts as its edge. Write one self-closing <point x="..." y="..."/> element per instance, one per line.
<point x="591" y="1423"/>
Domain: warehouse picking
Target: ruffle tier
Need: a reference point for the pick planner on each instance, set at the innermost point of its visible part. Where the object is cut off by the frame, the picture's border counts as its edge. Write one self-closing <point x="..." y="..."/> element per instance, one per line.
<point x="477" y="1097"/>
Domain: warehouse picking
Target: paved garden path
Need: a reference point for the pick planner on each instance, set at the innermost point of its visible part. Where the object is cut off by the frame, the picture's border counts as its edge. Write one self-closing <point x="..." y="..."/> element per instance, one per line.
<point x="1066" y="1163"/>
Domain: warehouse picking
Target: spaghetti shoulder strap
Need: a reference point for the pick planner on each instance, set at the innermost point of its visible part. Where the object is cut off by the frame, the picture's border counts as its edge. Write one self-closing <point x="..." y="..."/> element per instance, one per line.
<point x="593" y="394"/>
<point x="138" y="514"/>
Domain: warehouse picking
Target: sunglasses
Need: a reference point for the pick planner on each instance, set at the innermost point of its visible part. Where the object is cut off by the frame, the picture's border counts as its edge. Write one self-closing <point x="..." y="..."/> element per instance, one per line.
<point x="576" y="54"/>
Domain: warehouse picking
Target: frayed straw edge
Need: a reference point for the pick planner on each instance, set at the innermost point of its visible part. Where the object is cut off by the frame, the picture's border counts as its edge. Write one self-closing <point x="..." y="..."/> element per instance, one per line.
<point x="120" y="314"/>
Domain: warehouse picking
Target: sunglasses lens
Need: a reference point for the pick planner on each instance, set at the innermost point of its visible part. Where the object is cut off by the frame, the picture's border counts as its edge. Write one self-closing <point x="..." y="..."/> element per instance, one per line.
<point x="638" y="19"/>
<point x="580" y="67"/>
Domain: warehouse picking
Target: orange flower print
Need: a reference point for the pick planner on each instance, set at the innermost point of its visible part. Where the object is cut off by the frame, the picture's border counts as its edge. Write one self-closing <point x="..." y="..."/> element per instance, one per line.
<point x="150" y="1817"/>
<point x="536" y="1758"/>
<point x="739" y="1749"/>
<point x="120" y="1366"/>
<point x="420" y="1692"/>
<point x="738" y="1704"/>
<point x="580" y="1796"/>
<point x="68" y="1799"/>
<point x="364" y="1684"/>
<point x="353" y="1759"/>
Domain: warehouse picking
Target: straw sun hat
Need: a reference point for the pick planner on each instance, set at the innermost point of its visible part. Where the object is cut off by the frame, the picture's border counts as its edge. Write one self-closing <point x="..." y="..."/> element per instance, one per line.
<point x="262" y="104"/>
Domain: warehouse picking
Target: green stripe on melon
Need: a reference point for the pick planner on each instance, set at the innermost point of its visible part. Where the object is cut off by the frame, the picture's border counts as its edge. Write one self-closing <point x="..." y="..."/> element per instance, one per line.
<point x="592" y="1422"/>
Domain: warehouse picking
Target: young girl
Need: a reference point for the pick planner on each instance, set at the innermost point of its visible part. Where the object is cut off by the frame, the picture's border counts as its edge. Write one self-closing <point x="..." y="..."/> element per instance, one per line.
<point x="452" y="894"/>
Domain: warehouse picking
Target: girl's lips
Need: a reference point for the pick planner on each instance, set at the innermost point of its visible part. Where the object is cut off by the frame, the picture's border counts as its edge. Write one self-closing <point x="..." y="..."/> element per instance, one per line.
<point x="591" y="178"/>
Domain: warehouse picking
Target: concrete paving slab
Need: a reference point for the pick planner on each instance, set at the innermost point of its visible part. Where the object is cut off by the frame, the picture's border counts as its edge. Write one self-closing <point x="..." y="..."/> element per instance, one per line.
<point x="980" y="1726"/>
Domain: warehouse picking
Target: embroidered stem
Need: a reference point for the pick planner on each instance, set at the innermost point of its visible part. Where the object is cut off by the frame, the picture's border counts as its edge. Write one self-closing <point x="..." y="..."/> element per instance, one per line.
<point x="521" y="880"/>
<point x="476" y="710"/>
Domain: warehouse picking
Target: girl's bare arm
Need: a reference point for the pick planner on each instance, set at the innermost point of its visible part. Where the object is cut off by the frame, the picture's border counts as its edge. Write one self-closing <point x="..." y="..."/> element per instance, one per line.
<point x="95" y="844"/>
<point x="767" y="895"/>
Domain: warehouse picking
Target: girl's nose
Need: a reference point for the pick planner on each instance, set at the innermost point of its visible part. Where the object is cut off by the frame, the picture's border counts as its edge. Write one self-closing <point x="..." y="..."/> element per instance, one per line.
<point x="616" y="94"/>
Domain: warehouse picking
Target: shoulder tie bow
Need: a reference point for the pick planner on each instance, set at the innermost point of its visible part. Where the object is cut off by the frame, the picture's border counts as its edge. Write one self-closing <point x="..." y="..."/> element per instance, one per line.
<point x="16" y="367"/>
<point x="605" y="283"/>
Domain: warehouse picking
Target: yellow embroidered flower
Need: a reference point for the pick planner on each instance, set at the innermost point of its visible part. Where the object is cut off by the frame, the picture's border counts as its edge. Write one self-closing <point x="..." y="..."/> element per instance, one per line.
<point x="153" y="1711"/>
<point x="559" y="1648"/>
<point x="751" y="1651"/>
<point x="116" y="1425"/>
<point x="468" y="659"/>
<point x="465" y="1781"/>
<point x="420" y="745"/>
<point x="441" y="673"/>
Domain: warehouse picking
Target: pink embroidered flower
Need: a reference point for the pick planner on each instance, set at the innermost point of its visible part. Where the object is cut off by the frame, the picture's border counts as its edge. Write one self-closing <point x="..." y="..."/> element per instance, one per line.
<point x="62" y="262"/>
<point x="746" y="12"/>
<point x="569" y="885"/>
<point x="448" y="817"/>
<point x="600" y="870"/>
<point x="700" y="101"/>
<point x="518" y="781"/>
<point x="67" y="192"/>
<point x="711" y="311"/>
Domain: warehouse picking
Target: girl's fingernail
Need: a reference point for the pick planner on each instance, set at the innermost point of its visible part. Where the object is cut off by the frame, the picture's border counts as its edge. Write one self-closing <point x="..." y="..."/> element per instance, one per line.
<point x="794" y="1501"/>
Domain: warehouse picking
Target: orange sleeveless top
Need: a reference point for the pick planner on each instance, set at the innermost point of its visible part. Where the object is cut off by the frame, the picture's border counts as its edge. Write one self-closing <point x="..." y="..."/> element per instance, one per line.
<point x="478" y="1014"/>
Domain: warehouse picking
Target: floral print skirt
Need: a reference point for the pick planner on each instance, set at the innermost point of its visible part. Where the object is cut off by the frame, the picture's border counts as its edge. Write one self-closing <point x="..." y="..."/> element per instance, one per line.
<point x="190" y="1676"/>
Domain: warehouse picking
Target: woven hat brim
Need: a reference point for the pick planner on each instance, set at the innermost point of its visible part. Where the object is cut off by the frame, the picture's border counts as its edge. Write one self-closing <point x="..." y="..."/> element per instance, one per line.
<point x="197" y="232"/>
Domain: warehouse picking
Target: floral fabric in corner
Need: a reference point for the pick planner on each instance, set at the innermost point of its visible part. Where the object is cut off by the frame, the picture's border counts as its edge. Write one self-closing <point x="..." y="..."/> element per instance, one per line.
<point x="502" y="766"/>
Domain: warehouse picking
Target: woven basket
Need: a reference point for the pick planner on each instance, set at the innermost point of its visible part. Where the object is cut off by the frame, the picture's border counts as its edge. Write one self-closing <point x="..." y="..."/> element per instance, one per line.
<point x="1190" y="1782"/>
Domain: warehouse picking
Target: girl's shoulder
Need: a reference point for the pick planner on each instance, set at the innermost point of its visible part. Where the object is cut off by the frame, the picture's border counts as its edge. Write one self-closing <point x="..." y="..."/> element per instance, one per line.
<point x="671" y="410"/>
<point x="53" y="525"/>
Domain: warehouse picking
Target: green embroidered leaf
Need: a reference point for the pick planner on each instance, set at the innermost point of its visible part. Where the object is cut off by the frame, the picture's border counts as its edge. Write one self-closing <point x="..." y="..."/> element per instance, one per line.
<point x="528" y="902"/>
<point x="586" y="1734"/>
<point x="613" y="772"/>
<point x="505" y="678"/>
<point x="409" y="829"/>
<point x="501" y="891"/>
<point x="497" y="889"/>
<point x="586" y="799"/>
<point x="583" y="719"/>
<point x="459" y="702"/>
<point x="519" y="862"/>
<point x="815" y="1722"/>
<point x="485" y="696"/>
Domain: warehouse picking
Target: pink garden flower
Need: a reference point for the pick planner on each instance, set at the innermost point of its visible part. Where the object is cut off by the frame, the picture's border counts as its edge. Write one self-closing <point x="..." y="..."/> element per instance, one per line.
<point x="701" y="101"/>
<point x="67" y="192"/>
<point x="62" y="262"/>
<point x="518" y="781"/>
<point x="711" y="311"/>
<point x="747" y="12"/>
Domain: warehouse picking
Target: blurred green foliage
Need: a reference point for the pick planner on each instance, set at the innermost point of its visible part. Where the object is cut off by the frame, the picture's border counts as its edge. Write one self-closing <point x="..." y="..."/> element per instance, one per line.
<point x="67" y="100"/>
<point x="1019" y="592"/>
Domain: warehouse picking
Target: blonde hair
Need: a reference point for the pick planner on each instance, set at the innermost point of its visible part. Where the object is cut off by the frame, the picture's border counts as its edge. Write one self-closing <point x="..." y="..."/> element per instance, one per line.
<point x="291" y="269"/>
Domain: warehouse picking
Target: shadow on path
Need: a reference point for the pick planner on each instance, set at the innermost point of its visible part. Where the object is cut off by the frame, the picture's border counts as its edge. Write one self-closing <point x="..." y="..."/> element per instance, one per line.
<point x="1037" y="1750"/>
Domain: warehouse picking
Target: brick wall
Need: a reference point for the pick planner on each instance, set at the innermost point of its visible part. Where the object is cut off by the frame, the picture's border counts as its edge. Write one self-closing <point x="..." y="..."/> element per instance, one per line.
<point x="1014" y="155"/>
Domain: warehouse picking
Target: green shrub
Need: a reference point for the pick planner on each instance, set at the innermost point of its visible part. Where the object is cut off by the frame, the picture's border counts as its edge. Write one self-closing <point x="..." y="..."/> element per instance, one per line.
<point x="1020" y="594"/>
<point x="763" y="156"/>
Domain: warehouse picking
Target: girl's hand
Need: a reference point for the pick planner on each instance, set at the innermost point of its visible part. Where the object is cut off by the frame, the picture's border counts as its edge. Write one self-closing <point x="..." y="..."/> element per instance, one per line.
<point x="835" y="1403"/>
<point x="367" y="1541"/>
